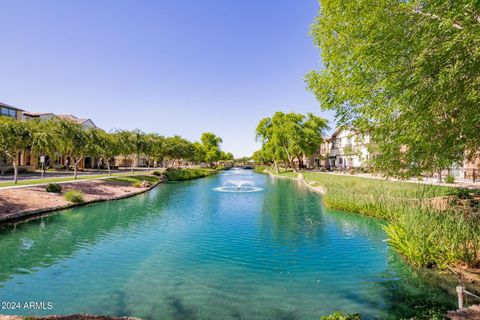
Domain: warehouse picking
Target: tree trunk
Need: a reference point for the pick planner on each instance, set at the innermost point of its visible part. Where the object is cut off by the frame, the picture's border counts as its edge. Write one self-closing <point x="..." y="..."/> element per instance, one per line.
<point x="98" y="164"/>
<point x="15" y="171"/>
<point x="439" y="176"/>
<point x="276" y="167"/>
<point x="43" y="166"/>
<point x="108" y="168"/>
<point x="75" y="167"/>
<point x="292" y="164"/>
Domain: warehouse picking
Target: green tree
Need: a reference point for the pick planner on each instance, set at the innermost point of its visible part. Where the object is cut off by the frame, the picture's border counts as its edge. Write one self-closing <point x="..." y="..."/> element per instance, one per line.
<point x="73" y="142"/>
<point x="44" y="138"/>
<point x="126" y="147"/>
<point x="286" y="137"/>
<point x="211" y="143"/>
<point x="103" y="146"/>
<point x="199" y="152"/>
<point x="406" y="72"/>
<point x="139" y="144"/>
<point x="158" y="148"/>
<point x="15" y="136"/>
<point x="227" y="156"/>
<point x="178" y="148"/>
<point x="153" y="148"/>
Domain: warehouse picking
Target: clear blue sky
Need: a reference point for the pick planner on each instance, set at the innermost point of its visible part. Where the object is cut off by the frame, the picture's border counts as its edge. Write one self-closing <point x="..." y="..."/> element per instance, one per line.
<point x="172" y="67"/>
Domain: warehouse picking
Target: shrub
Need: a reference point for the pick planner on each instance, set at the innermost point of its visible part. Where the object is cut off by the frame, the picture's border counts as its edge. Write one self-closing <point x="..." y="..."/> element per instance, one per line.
<point x="74" y="196"/>
<point x="351" y="171"/>
<point x="157" y="173"/>
<point x="142" y="184"/>
<point x="54" y="188"/>
<point x="341" y="316"/>
<point x="187" y="174"/>
<point x="449" y="179"/>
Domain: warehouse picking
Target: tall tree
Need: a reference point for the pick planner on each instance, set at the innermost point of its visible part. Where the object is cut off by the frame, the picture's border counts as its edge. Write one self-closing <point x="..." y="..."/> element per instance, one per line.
<point x="44" y="139"/>
<point x="126" y="147"/>
<point x="103" y="146"/>
<point x="178" y="148"/>
<point x="286" y="137"/>
<point x="158" y="149"/>
<point x="15" y="136"/>
<point x="211" y="143"/>
<point x="407" y="72"/>
<point x="73" y="142"/>
<point x="139" y="144"/>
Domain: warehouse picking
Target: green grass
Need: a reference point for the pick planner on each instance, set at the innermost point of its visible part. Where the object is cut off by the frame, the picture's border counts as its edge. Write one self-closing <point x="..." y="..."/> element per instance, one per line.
<point x="421" y="221"/>
<point x="61" y="179"/>
<point x="188" y="173"/>
<point x="135" y="179"/>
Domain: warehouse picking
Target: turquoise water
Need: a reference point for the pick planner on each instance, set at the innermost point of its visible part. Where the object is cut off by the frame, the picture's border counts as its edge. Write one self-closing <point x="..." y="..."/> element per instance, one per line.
<point x="187" y="251"/>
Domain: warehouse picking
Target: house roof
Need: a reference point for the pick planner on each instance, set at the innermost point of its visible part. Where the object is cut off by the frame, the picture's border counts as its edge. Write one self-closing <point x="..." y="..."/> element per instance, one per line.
<point x="35" y="114"/>
<point x="71" y="117"/>
<point x="9" y="106"/>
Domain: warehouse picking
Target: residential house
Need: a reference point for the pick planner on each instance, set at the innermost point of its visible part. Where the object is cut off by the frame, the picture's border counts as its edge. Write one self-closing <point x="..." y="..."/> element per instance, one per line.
<point x="28" y="161"/>
<point x="343" y="150"/>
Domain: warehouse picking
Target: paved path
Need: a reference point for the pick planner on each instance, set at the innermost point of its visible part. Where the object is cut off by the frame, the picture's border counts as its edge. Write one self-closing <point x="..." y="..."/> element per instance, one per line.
<point x="459" y="183"/>
<point x="84" y="179"/>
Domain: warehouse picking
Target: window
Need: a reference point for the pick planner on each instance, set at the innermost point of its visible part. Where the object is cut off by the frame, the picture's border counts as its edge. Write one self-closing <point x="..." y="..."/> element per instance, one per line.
<point x="8" y="112"/>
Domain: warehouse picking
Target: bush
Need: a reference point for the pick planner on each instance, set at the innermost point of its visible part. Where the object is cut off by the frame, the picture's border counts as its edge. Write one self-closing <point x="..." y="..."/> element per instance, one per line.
<point x="449" y="179"/>
<point x="157" y="173"/>
<point x="137" y="184"/>
<point x="341" y="316"/>
<point x="141" y="184"/>
<point x="74" y="196"/>
<point x="174" y="174"/>
<point x="351" y="171"/>
<point x="54" y="188"/>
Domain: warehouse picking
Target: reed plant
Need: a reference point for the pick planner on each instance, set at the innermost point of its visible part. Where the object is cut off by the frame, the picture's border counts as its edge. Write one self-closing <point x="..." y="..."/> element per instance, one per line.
<point x="421" y="221"/>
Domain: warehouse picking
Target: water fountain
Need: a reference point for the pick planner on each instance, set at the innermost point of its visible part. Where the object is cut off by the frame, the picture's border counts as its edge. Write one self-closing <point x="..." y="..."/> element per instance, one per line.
<point x="238" y="186"/>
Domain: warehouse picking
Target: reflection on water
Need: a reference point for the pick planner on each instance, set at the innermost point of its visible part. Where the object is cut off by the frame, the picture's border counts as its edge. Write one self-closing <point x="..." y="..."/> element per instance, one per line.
<point x="185" y="251"/>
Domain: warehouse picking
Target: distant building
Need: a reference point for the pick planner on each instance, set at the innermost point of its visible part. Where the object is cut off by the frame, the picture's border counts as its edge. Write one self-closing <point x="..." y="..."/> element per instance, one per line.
<point x="10" y="111"/>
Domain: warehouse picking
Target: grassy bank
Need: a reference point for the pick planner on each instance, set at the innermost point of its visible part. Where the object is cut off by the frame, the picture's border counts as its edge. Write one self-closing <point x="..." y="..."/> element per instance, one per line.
<point x="62" y="179"/>
<point x="135" y="179"/>
<point x="424" y="222"/>
<point x="180" y="174"/>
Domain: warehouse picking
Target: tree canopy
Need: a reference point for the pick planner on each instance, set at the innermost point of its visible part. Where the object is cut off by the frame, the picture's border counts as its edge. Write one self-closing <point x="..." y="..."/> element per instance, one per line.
<point x="289" y="136"/>
<point x="407" y="72"/>
<point x="56" y="137"/>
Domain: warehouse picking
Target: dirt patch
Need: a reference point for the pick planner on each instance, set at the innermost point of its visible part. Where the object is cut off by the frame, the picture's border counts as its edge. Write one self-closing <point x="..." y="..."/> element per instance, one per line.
<point x="472" y="313"/>
<point x="20" y="202"/>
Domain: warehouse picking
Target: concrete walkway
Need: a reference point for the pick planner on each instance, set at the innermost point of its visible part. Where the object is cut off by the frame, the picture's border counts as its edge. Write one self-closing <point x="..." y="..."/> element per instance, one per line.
<point x="459" y="183"/>
<point x="83" y="179"/>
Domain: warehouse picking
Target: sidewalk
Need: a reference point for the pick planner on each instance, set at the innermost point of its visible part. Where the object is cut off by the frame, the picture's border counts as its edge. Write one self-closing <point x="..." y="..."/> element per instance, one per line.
<point x="459" y="183"/>
<point x="81" y="178"/>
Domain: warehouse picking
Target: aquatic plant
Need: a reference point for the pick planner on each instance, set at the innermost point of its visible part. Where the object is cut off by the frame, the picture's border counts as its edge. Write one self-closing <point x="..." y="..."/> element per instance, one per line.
<point x="421" y="222"/>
